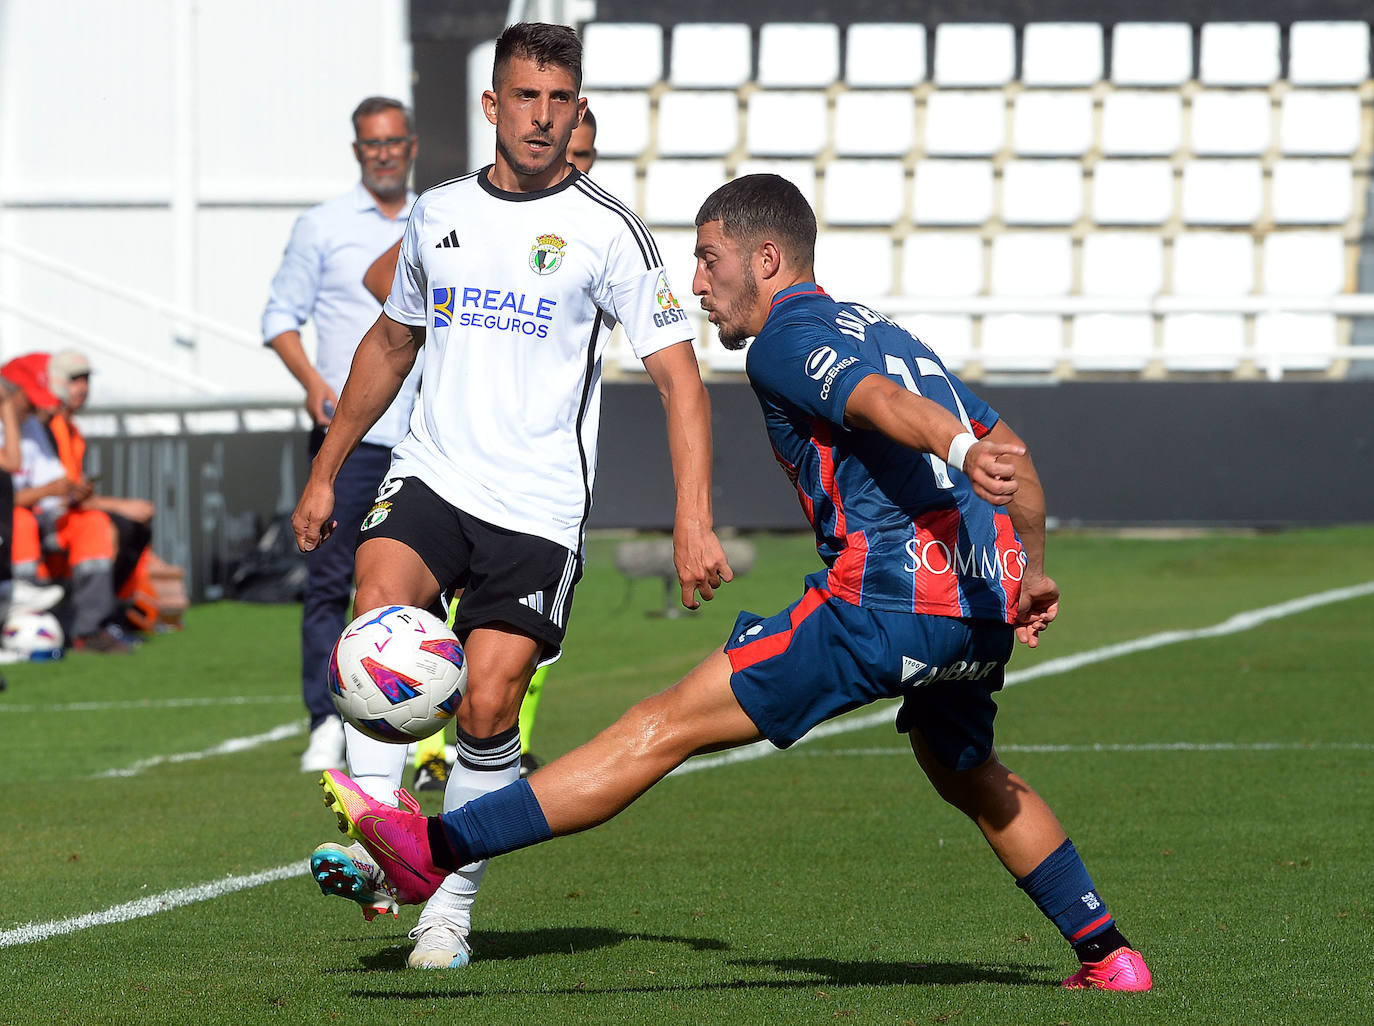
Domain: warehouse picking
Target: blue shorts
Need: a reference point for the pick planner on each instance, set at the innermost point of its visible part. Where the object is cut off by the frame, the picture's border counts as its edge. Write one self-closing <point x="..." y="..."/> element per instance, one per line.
<point x="822" y="656"/>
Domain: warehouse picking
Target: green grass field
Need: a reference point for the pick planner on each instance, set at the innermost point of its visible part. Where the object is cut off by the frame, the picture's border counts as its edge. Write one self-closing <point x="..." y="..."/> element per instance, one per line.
<point x="1219" y="789"/>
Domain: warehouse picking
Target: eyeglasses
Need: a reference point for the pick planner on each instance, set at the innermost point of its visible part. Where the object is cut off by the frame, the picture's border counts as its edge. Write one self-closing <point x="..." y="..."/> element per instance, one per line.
<point x="396" y="142"/>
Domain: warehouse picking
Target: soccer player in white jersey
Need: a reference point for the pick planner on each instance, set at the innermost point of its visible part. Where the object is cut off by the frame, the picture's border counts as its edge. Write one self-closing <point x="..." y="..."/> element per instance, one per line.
<point x="512" y="278"/>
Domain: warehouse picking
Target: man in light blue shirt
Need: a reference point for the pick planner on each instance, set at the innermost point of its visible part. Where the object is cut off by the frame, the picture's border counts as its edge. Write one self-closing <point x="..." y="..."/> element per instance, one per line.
<point x="321" y="276"/>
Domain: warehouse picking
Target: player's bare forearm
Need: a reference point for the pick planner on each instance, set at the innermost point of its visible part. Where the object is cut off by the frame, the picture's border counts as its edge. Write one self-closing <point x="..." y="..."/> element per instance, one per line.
<point x="697" y="552"/>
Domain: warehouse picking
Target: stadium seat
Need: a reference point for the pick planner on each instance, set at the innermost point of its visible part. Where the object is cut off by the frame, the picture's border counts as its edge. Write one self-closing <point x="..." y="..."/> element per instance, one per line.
<point x="950" y="335"/>
<point x="1111" y="342"/>
<point x="718" y="358"/>
<point x="798" y="55"/>
<point x="1142" y="124"/>
<point x="1292" y="341"/>
<point x="621" y="55"/>
<point x="674" y="189"/>
<point x="974" y="54"/>
<point x="1123" y="264"/>
<point x="711" y="55"/>
<point x="885" y="55"/>
<point x="1320" y="123"/>
<point x="1203" y="341"/>
<point x="622" y="123"/>
<point x="965" y="124"/>
<point x="1061" y="53"/>
<point x="1228" y="123"/>
<point x="1133" y="192"/>
<point x="872" y="123"/>
<point x="952" y="192"/>
<point x="1042" y="192"/>
<point x="1328" y="52"/>
<point x="942" y="264"/>
<point x="1303" y="263"/>
<point x="1031" y="264"/>
<point x="1021" y="342"/>
<point x="787" y="124"/>
<point x="1239" y="53"/>
<point x="854" y="265"/>
<point x="620" y="179"/>
<point x="1146" y="53"/>
<point x="801" y="173"/>
<point x="864" y="192"/>
<point x="694" y="123"/>
<point x="1222" y="191"/>
<point x="1213" y="264"/>
<point x="1052" y="124"/>
<point x="1312" y="191"/>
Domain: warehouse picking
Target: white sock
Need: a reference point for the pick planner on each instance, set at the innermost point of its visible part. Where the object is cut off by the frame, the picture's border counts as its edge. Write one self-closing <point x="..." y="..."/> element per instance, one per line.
<point x="375" y="766"/>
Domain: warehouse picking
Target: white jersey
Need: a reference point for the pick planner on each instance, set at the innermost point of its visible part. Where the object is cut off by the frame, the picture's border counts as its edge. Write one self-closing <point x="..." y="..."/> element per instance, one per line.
<point x="519" y="293"/>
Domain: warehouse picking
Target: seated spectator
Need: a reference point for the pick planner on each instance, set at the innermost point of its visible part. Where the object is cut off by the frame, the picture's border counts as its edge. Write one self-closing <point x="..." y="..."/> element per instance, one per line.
<point x="55" y="536"/>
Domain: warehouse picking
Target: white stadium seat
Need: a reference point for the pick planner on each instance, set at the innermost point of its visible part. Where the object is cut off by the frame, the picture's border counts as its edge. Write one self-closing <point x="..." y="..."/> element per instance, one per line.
<point x="1222" y="191"/>
<point x="1021" y="342"/>
<point x="1328" y="52"/>
<point x="620" y="179"/>
<point x="801" y="173"/>
<point x="784" y="123"/>
<point x="1031" y="264"/>
<point x="1313" y="191"/>
<point x="674" y="189"/>
<point x="718" y="358"/>
<point x="974" y="54"/>
<point x="965" y="124"/>
<point x="1203" y="342"/>
<point x="854" y="265"/>
<point x="711" y="55"/>
<point x="885" y="55"/>
<point x="1111" y="342"/>
<point x="864" y="192"/>
<point x="622" y="122"/>
<point x="950" y="335"/>
<point x="798" y="55"/>
<point x="621" y="56"/>
<point x="942" y="264"/>
<point x="1146" y="53"/>
<point x="1231" y="123"/>
<point x="1142" y="124"/>
<point x="1213" y="264"/>
<point x="952" y="192"/>
<point x="1052" y="124"/>
<point x="1303" y="263"/>
<point x="1320" y="123"/>
<point x="1061" y="53"/>
<point x="1292" y="341"/>
<point x="1123" y="264"/>
<point x="1133" y="192"/>
<point x="1042" y="192"/>
<point x="870" y="123"/>
<point x="1239" y="53"/>
<point x="695" y="123"/>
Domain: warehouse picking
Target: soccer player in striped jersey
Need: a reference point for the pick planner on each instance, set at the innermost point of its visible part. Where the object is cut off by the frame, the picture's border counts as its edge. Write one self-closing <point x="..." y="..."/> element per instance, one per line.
<point x="511" y="278"/>
<point x="930" y="520"/>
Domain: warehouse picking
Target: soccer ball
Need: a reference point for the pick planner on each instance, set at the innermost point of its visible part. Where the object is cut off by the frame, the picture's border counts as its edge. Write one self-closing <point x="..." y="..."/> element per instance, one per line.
<point x="397" y="674"/>
<point x="34" y="635"/>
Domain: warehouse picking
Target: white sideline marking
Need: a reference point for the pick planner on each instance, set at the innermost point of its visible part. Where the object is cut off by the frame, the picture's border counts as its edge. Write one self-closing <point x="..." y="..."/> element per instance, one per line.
<point x="173" y="899"/>
<point x="888" y="712"/>
<point x="1149" y="746"/>
<point x="234" y="744"/>
<point x="150" y="905"/>
<point x="153" y="703"/>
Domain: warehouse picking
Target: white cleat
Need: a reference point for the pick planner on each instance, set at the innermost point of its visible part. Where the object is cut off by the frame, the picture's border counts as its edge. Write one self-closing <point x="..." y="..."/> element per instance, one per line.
<point x="439" y="945"/>
<point x="325" y="749"/>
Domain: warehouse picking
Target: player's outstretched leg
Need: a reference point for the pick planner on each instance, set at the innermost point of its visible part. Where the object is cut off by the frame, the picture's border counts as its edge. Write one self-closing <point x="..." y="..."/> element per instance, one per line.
<point x="351" y="873"/>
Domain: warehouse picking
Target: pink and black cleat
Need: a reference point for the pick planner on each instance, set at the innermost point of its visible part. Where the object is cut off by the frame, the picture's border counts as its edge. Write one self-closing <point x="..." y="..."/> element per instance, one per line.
<point x="1123" y="969"/>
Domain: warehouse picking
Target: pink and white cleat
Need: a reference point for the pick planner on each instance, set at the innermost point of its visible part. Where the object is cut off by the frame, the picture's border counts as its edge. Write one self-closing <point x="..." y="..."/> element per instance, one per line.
<point x="1123" y="969"/>
<point x="397" y="838"/>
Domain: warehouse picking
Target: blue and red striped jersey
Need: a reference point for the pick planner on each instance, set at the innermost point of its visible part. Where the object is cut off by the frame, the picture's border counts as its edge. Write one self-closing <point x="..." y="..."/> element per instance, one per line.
<point x="897" y="529"/>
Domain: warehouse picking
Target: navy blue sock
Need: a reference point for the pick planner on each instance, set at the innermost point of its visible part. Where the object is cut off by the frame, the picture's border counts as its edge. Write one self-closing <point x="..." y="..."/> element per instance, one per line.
<point x="493" y="824"/>
<point x="1063" y="891"/>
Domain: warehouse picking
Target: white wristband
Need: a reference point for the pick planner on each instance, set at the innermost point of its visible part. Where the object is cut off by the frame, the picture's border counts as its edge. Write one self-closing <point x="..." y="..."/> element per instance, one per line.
<point x="959" y="448"/>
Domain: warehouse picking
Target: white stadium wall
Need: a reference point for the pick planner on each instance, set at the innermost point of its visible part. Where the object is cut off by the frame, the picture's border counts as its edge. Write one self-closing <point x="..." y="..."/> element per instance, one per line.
<point x="153" y="157"/>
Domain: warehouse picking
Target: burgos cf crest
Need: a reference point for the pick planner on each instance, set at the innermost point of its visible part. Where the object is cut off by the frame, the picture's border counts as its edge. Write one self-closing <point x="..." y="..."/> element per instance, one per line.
<point x="547" y="254"/>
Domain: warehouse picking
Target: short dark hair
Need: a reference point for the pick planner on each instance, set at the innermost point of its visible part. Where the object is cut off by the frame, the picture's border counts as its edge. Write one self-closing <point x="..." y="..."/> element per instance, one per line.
<point x="542" y="43"/>
<point x="377" y="105"/>
<point x="756" y="207"/>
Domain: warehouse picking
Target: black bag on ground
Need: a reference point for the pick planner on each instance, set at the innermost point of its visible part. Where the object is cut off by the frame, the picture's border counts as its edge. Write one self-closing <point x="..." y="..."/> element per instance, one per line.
<point x="273" y="570"/>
